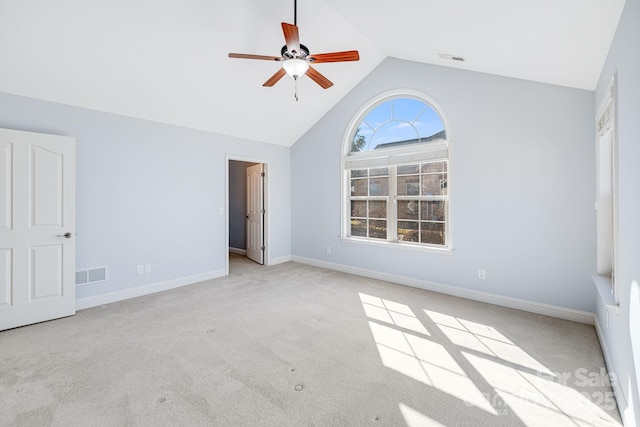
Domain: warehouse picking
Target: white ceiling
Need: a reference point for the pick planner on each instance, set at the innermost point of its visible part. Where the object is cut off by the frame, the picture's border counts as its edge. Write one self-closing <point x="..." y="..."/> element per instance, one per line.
<point x="166" y="60"/>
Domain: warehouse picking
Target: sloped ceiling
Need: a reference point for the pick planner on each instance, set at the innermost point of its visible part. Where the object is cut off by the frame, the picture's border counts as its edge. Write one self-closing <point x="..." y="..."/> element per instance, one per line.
<point x="166" y="60"/>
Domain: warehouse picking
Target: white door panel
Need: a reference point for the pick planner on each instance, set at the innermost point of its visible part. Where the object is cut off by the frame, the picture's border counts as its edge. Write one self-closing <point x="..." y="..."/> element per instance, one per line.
<point x="255" y="213"/>
<point x="5" y="185"/>
<point x="46" y="188"/>
<point x="5" y="276"/>
<point x="37" y="209"/>
<point x="46" y="272"/>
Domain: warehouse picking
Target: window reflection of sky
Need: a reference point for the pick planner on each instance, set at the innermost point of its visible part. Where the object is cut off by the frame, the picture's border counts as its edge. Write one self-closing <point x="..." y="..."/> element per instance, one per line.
<point x="399" y="119"/>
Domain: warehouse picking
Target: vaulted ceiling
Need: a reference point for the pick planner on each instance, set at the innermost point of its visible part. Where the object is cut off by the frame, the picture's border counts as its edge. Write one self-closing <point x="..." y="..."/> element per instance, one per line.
<point x="166" y="60"/>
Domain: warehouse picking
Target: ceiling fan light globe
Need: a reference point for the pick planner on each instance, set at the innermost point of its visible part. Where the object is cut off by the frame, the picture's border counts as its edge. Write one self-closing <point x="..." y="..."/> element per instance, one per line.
<point x="295" y="67"/>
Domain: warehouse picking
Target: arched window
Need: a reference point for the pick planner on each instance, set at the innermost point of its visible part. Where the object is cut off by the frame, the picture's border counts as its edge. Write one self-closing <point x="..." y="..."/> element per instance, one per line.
<point x="396" y="173"/>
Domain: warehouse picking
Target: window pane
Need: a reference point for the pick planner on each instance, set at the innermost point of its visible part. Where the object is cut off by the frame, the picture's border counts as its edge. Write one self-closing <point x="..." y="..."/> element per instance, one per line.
<point x="379" y="186"/>
<point x="407" y="109"/>
<point x="377" y="209"/>
<point x="359" y="227"/>
<point x="379" y="172"/>
<point x="408" y="209"/>
<point x="432" y="232"/>
<point x="432" y="210"/>
<point x="408" y="169"/>
<point x="394" y="134"/>
<point x="359" y="187"/>
<point x="408" y="231"/>
<point x="430" y="126"/>
<point x="434" y="184"/>
<point x="434" y="167"/>
<point x="359" y="208"/>
<point x="379" y="115"/>
<point x="409" y="185"/>
<point x="378" y="229"/>
<point x="357" y="173"/>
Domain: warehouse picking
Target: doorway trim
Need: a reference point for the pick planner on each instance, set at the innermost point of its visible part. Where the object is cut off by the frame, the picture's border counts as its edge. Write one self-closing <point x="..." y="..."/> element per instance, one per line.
<point x="267" y="223"/>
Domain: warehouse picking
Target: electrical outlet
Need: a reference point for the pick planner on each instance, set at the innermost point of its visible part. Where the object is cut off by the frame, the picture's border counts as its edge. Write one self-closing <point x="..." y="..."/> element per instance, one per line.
<point x="140" y="269"/>
<point x="482" y="274"/>
<point x="147" y="268"/>
<point x="328" y="249"/>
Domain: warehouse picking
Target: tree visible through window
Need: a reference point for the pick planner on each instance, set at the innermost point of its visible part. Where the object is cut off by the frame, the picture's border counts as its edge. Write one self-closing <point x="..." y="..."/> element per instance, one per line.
<point x="397" y="172"/>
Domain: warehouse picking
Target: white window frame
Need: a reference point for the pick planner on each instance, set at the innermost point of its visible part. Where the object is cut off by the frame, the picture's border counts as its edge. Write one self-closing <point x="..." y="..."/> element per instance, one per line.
<point x="606" y="196"/>
<point x="393" y="157"/>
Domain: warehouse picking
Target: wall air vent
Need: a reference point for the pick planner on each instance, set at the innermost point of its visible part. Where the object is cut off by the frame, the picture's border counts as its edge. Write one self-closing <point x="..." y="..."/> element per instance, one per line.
<point x="451" y="57"/>
<point x="92" y="275"/>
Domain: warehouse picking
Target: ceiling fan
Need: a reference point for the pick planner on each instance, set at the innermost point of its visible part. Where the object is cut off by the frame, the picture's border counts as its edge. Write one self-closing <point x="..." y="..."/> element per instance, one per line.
<point x="296" y="59"/>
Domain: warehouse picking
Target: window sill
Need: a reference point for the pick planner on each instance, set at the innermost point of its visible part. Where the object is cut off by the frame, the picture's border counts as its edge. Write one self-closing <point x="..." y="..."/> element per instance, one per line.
<point x="605" y="289"/>
<point x="396" y="245"/>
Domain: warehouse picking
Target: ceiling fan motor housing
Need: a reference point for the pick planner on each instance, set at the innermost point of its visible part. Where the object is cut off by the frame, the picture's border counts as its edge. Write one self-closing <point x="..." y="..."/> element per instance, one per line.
<point x="304" y="52"/>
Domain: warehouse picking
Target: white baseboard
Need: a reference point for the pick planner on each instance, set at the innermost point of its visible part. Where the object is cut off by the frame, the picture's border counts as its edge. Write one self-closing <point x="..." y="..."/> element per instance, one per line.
<point x="237" y="251"/>
<point x="621" y="400"/>
<point x="280" y="260"/>
<point x="138" y="291"/>
<point x="509" y="302"/>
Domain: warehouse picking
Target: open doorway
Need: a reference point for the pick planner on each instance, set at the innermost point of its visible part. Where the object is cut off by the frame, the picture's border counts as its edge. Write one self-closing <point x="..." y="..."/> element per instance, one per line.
<point x="246" y="212"/>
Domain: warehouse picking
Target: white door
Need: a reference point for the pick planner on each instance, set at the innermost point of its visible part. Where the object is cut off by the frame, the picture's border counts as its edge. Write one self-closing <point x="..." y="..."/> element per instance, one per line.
<point x="255" y="213"/>
<point x="37" y="227"/>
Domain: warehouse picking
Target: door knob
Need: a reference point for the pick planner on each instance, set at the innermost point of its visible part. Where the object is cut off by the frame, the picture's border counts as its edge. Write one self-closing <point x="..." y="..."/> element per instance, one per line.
<point x="66" y="235"/>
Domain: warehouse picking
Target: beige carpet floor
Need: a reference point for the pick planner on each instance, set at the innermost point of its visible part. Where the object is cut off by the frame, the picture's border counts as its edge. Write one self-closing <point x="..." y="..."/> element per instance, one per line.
<point x="293" y="345"/>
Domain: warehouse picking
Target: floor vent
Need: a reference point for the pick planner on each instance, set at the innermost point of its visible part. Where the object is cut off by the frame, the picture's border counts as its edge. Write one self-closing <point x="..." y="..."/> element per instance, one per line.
<point x="93" y="275"/>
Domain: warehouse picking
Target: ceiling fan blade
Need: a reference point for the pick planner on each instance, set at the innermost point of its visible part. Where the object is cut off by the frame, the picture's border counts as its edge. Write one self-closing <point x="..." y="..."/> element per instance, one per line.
<point x="274" y="79"/>
<point x="251" y="56"/>
<point x="291" y="37"/>
<point x="319" y="78"/>
<point x="348" y="55"/>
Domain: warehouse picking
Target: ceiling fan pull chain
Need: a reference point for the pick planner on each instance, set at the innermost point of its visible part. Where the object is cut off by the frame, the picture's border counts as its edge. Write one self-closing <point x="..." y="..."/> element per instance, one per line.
<point x="296" y="90"/>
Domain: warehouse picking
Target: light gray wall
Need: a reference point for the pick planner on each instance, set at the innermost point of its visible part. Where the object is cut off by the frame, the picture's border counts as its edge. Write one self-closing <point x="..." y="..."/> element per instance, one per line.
<point x="238" y="204"/>
<point x="624" y="60"/>
<point x="150" y="193"/>
<point x="522" y="186"/>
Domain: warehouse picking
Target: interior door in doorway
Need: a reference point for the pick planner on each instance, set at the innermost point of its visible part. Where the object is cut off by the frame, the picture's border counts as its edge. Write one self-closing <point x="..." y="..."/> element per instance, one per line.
<point x="37" y="227"/>
<point x="255" y="213"/>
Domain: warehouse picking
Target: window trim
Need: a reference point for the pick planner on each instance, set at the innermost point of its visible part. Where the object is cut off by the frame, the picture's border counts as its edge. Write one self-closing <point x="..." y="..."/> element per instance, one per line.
<point x="606" y="122"/>
<point x="369" y="157"/>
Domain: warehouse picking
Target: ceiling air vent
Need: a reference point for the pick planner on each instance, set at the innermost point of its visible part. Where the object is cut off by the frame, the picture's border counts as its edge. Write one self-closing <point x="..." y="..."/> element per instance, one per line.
<point x="451" y="57"/>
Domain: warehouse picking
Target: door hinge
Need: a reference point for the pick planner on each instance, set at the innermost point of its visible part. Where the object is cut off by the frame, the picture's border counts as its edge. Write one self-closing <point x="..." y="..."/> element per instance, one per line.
<point x="263" y="211"/>
<point x="263" y="247"/>
<point x="263" y="174"/>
